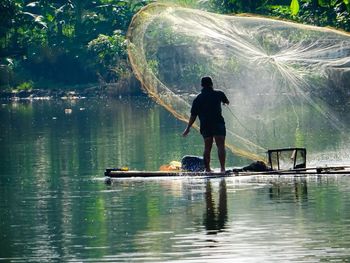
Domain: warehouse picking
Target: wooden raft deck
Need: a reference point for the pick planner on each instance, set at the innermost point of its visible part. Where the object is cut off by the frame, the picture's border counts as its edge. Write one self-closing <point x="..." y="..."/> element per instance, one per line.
<point x="117" y="173"/>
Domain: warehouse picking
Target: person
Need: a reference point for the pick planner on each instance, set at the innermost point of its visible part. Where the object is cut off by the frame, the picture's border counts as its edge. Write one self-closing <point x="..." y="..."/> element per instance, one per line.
<point x="207" y="106"/>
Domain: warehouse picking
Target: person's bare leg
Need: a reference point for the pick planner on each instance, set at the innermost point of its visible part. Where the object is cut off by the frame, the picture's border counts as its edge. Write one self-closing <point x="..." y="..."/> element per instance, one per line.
<point x="208" y="143"/>
<point x="220" y="144"/>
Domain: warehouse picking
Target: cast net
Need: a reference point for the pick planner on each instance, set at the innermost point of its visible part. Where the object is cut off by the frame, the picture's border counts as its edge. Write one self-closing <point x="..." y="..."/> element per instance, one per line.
<point x="285" y="81"/>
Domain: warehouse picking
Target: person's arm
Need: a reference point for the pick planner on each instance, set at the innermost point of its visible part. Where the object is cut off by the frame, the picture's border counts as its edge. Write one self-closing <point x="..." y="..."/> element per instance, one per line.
<point x="225" y="99"/>
<point x="190" y="123"/>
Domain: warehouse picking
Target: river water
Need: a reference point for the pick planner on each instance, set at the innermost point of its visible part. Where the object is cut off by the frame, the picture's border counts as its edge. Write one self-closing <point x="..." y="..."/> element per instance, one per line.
<point x="55" y="205"/>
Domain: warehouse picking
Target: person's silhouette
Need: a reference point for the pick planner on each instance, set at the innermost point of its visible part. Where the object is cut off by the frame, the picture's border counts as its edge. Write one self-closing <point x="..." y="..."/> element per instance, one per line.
<point x="207" y="106"/>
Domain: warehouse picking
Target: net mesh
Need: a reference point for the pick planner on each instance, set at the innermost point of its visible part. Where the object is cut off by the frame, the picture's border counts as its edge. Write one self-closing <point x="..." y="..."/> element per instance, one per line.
<point x="281" y="78"/>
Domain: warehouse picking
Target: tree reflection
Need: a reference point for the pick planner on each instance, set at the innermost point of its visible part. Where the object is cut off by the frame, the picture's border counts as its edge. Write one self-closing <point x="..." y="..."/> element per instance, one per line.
<point x="215" y="219"/>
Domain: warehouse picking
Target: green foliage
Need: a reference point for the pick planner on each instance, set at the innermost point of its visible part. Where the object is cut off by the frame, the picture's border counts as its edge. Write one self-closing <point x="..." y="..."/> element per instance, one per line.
<point x="153" y="65"/>
<point x="54" y="39"/>
<point x="233" y="64"/>
<point x="191" y="73"/>
<point x="188" y="3"/>
<point x="27" y="85"/>
<point x="8" y="10"/>
<point x="108" y="51"/>
<point x="334" y="13"/>
<point x="294" y="7"/>
<point x="237" y="6"/>
<point x="79" y="41"/>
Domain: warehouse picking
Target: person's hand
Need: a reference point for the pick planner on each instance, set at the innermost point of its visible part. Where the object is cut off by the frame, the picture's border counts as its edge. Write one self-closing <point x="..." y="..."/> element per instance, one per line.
<point x="186" y="131"/>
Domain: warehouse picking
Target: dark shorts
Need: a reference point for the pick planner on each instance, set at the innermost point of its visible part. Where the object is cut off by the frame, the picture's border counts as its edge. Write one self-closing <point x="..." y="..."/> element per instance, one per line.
<point x="216" y="130"/>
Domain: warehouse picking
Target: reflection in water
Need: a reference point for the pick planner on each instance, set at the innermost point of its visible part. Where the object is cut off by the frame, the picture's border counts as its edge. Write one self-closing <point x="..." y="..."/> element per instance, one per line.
<point x="55" y="207"/>
<point x="298" y="191"/>
<point x="215" y="219"/>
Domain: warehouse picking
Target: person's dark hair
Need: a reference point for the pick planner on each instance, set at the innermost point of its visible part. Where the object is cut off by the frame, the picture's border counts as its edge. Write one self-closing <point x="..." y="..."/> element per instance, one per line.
<point x="206" y="82"/>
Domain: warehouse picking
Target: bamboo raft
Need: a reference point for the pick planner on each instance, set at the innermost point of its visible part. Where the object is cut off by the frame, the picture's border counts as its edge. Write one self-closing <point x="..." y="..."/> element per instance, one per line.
<point x="278" y="160"/>
<point x="117" y="173"/>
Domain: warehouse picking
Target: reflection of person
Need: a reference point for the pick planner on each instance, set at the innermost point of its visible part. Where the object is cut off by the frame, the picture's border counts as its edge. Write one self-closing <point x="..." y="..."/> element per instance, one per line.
<point x="207" y="106"/>
<point x="215" y="220"/>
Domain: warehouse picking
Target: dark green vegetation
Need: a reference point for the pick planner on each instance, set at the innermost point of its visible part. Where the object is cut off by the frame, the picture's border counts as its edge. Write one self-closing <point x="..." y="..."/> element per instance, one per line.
<point x="333" y="13"/>
<point x="75" y="42"/>
<point x="65" y="43"/>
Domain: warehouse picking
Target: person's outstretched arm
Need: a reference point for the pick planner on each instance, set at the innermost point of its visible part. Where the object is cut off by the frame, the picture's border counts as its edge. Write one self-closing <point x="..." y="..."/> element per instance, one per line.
<point x="224" y="99"/>
<point x="190" y="122"/>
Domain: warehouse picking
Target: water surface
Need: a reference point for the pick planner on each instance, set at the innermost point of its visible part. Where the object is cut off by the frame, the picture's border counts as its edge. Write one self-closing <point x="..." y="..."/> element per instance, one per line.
<point x="56" y="207"/>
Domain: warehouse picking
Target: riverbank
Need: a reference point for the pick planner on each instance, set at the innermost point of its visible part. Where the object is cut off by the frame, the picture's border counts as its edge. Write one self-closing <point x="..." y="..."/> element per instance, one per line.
<point x="130" y="87"/>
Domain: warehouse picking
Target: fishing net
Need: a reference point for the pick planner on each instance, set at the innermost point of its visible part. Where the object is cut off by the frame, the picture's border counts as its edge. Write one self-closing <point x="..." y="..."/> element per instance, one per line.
<point x="286" y="82"/>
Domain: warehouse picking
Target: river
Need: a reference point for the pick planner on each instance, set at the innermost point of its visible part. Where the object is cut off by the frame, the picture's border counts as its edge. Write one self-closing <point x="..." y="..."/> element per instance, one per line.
<point x="56" y="207"/>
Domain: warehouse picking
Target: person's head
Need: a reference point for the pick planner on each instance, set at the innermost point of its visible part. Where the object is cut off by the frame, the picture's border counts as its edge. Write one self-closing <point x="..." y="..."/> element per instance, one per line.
<point x="206" y="82"/>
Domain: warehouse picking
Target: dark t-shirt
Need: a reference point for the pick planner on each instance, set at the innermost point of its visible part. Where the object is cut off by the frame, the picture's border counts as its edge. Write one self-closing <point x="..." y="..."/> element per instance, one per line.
<point x="207" y="106"/>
